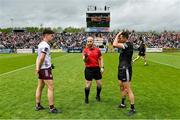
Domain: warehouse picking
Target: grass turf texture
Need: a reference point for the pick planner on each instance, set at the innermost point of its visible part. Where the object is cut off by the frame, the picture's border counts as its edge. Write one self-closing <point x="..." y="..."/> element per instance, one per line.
<point x="156" y="88"/>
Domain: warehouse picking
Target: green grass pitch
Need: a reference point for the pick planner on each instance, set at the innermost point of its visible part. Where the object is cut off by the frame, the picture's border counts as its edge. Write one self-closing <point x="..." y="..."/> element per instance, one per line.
<point x="156" y="88"/>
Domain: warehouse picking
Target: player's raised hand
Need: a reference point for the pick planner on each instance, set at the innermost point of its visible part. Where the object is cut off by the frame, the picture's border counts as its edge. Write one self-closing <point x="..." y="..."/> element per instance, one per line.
<point x="118" y="34"/>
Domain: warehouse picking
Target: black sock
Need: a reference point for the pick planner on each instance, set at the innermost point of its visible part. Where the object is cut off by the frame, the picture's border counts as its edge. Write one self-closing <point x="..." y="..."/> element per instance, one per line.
<point x="132" y="106"/>
<point x="123" y="100"/>
<point x="38" y="104"/>
<point x="87" y="90"/>
<point x="51" y="106"/>
<point x="98" y="90"/>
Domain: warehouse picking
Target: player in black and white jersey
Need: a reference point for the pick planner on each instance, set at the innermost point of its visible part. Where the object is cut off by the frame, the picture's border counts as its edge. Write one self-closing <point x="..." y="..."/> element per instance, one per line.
<point x="142" y="51"/>
<point x="125" y="69"/>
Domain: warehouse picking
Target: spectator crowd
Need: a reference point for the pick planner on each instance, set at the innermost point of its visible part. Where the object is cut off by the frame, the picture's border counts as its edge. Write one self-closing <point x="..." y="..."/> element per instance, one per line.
<point x="19" y="40"/>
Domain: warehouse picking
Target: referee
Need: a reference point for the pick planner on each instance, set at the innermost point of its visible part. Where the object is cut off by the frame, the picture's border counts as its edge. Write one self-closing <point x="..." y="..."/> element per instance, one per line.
<point x="94" y="67"/>
<point x="125" y="69"/>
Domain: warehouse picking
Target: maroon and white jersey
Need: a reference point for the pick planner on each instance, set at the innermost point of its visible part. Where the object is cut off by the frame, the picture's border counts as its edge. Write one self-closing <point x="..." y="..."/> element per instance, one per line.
<point x="44" y="47"/>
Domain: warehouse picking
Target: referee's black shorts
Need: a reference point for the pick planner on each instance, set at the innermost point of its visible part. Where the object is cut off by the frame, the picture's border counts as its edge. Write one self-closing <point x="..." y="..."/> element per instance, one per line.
<point x="92" y="73"/>
<point x="124" y="73"/>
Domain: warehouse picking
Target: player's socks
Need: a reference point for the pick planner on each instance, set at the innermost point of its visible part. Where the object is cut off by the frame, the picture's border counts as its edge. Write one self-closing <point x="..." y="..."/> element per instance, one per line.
<point x="38" y="104"/>
<point x="132" y="106"/>
<point x="123" y="100"/>
<point x="122" y="105"/>
<point x="51" y="106"/>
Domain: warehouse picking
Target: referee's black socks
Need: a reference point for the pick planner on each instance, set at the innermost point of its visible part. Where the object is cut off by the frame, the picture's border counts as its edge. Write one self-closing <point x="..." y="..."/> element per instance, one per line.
<point x="87" y="90"/>
<point x="98" y="90"/>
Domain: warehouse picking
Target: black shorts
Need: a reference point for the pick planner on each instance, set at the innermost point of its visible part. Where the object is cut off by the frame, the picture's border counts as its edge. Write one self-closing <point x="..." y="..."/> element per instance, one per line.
<point x="124" y="73"/>
<point x="45" y="74"/>
<point x="92" y="73"/>
<point x="142" y="54"/>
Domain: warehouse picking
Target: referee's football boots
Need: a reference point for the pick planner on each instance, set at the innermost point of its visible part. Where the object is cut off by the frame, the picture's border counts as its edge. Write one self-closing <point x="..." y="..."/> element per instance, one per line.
<point x="86" y="100"/>
<point x="98" y="98"/>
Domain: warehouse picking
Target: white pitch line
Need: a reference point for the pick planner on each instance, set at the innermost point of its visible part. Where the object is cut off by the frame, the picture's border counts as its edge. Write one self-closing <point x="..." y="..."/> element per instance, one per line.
<point x="164" y="64"/>
<point x="24" y="67"/>
<point x="16" y="70"/>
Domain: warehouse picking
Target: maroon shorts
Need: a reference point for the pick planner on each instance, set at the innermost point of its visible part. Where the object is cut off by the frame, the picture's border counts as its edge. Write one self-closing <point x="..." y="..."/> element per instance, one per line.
<point x="45" y="74"/>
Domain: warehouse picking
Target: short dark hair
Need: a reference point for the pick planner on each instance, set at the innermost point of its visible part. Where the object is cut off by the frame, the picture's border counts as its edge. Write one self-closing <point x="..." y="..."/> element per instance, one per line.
<point x="125" y="34"/>
<point x="48" y="31"/>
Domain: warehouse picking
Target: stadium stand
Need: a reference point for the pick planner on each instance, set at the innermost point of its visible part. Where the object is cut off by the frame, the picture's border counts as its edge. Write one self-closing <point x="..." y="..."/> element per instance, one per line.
<point x="22" y="40"/>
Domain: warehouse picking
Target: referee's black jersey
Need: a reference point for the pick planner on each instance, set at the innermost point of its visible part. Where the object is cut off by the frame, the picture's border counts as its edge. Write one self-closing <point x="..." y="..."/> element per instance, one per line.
<point x="125" y="56"/>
